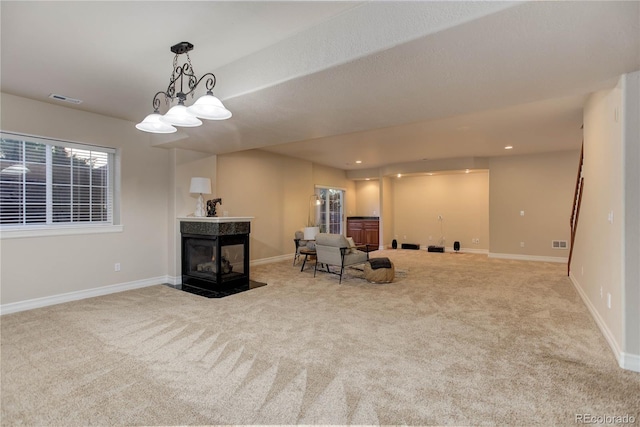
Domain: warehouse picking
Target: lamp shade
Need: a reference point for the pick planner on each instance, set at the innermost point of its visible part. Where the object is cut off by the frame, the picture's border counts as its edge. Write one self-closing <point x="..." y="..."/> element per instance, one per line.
<point x="310" y="233"/>
<point x="209" y="107"/>
<point x="153" y="123"/>
<point x="200" y="185"/>
<point x="179" y="116"/>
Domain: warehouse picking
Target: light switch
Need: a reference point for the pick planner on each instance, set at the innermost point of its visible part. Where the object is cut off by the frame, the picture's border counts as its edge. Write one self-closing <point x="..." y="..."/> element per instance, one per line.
<point x="521" y="213"/>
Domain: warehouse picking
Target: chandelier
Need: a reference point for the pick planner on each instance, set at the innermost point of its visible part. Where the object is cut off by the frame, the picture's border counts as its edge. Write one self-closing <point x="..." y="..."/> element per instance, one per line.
<point x="182" y="83"/>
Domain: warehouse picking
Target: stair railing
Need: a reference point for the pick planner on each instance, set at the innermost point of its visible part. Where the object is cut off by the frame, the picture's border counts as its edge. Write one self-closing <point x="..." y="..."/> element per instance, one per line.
<point x="577" y="201"/>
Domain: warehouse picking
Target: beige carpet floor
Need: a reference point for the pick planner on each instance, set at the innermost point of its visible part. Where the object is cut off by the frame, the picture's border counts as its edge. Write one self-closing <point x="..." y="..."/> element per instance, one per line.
<point x="456" y="339"/>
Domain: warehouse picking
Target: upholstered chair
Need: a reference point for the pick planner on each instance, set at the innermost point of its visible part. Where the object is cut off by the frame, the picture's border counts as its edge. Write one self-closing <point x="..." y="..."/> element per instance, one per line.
<point x="300" y="243"/>
<point x="335" y="250"/>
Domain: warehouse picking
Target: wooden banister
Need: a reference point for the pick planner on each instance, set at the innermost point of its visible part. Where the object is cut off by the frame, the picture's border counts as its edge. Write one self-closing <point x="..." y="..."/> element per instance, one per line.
<point x="577" y="201"/>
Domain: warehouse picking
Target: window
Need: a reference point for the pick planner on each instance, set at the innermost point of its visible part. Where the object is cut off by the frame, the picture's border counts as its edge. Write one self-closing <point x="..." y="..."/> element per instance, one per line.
<point x="45" y="182"/>
<point x="330" y="212"/>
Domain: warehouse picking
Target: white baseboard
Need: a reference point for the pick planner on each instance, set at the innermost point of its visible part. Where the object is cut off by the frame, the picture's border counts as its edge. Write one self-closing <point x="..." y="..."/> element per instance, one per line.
<point x="78" y="295"/>
<point x="625" y="360"/>
<point x="174" y="280"/>
<point x="529" y="257"/>
<point x="449" y="249"/>
<point x="106" y="290"/>
<point x="630" y="362"/>
<point x="613" y="344"/>
<point x="272" y="259"/>
<point x="465" y="251"/>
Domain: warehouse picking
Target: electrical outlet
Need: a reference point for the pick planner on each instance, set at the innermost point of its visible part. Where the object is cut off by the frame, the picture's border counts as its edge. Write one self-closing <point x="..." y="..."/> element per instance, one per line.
<point x="522" y="244"/>
<point x="521" y="213"/>
<point x="116" y="267"/>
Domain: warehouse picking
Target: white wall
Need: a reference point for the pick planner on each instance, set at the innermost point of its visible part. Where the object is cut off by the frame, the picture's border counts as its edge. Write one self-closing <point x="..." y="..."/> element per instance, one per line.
<point x="603" y="247"/>
<point x="40" y="267"/>
<point x="631" y="152"/>
<point x="387" y="214"/>
<point x="367" y="198"/>
<point x="462" y="200"/>
<point x="598" y="245"/>
<point x="275" y="189"/>
<point x="185" y="164"/>
<point x="541" y="185"/>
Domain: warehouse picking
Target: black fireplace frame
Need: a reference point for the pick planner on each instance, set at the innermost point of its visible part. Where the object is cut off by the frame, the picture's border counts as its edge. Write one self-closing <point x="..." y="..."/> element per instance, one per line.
<point x="221" y="234"/>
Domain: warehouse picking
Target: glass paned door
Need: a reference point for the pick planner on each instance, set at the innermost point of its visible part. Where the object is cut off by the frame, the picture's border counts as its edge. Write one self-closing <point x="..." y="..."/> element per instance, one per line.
<point x="330" y="212"/>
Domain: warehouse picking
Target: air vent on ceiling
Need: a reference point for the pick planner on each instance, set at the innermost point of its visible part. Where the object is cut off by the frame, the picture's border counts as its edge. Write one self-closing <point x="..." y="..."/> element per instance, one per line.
<point x="65" y="98"/>
<point x="559" y="244"/>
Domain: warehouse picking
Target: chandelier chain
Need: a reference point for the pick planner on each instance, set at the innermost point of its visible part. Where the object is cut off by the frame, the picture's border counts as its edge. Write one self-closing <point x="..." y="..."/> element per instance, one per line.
<point x="191" y="73"/>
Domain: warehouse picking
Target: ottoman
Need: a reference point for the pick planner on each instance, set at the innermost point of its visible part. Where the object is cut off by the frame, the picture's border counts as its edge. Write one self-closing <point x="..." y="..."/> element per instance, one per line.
<point x="379" y="270"/>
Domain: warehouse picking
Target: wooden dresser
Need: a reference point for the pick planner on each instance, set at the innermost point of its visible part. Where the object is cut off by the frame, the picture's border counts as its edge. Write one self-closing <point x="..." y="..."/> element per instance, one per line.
<point x="364" y="230"/>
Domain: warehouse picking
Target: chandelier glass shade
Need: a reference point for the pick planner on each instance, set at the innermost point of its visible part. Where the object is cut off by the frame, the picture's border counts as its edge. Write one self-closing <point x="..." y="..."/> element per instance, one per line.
<point x="183" y="82"/>
<point x="179" y="115"/>
<point x="209" y="107"/>
<point x="153" y="123"/>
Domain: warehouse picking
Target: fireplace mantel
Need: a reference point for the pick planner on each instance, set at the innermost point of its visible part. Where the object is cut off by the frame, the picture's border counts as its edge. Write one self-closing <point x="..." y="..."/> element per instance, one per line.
<point x="216" y="219"/>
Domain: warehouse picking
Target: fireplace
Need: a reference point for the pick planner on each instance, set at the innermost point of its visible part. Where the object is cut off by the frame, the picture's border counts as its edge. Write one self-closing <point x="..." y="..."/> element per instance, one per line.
<point x="215" y="255"/>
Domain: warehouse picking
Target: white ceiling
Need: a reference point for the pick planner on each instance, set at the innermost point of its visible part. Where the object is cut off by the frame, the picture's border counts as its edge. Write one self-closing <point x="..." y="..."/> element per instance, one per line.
<point x="335" y="82"/>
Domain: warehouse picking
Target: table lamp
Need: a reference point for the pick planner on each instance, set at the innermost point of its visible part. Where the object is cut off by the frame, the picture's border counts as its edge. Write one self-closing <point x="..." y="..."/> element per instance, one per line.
<point x="312" y="229"/>
<point x="202" y="186"/>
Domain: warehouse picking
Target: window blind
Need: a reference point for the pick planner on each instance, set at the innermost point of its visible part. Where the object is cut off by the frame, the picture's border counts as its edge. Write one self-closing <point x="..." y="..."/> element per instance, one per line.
<point x="52" y="182"/>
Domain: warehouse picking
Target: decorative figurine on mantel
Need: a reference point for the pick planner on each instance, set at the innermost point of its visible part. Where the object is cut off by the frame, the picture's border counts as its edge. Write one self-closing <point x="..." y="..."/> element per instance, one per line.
<point x="211" y="206"/>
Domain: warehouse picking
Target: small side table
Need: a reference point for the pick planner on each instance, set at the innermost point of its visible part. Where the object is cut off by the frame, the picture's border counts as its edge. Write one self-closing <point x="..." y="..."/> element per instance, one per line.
<point x="307" y="253"/>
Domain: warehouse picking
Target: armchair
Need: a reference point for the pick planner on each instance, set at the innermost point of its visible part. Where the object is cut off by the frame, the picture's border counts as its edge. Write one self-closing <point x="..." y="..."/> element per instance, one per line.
<point x="300" y="244"/>
<point x="334" y="250"/>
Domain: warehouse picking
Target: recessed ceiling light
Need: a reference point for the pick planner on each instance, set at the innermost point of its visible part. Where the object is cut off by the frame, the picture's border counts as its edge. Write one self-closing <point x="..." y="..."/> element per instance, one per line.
<point x="508" y="147"/>
<point x="358" y="162"/>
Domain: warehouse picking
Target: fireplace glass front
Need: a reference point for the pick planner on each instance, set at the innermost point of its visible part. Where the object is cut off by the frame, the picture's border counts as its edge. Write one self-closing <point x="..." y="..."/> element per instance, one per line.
<point x="213" y="262"/>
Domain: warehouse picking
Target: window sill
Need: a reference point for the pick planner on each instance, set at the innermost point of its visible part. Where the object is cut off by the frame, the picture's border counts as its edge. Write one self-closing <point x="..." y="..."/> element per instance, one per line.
<point x="46" y="231"/>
